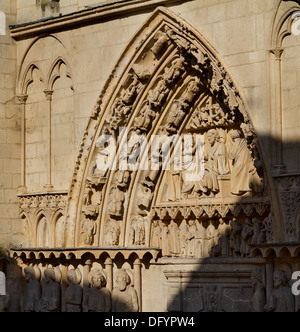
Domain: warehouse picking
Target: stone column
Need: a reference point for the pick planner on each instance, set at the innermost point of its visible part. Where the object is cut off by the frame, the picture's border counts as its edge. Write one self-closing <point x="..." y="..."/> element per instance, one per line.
<point x="137" y="267"/>
<point x="278" y="166"/>
<point x="22" y="100"/>
<point x="109" y="270"/>
<point x="269" y="277"/>
<point x="49" y="185"/>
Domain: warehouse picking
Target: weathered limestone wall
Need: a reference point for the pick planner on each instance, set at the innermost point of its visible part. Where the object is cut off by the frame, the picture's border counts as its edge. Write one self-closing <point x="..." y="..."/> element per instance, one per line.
<point x="9" y="132"/>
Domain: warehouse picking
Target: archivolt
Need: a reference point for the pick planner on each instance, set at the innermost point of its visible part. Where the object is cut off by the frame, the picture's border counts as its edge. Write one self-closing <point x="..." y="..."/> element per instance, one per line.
<point x="169" y="62"/>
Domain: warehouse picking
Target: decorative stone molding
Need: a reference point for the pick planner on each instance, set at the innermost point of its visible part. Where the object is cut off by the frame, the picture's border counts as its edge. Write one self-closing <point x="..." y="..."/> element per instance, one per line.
<point x="288" y="190"/>
<point x="43" y="216"/>
<point x="81" y="18"/>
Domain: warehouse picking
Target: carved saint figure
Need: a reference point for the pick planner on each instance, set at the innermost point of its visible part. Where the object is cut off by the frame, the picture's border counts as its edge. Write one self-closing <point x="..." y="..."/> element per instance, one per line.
<point x="116" y="201"/>
<point x="235" y="237"/>
<point x="216" y="164"/>
<point x="88" y="231"/>
<point x="145" y="118"/>
<point x="246" y="237"/>
<point x="156" y="235"/>
<point x="174" y="236"/>
<point x="137" y="231"/>
<point x="224" y="233"/>
<point x="259" y="291"/>
<point x="74" y="292"/>
<point x="97" y="298"/>
<point x="282" y="299"/>
<point x="50" y="300"/>
<point x="124" y="296"/>
<point x="240" y="154"/>
<point x="112" y="232"/>
<point x="32" y="294"/>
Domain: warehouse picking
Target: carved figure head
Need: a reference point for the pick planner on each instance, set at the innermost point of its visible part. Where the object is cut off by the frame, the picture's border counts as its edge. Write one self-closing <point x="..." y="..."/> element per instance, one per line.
<point x="29" y="273"/>
<point x="279" y="278"/>
<point x="122" y="280"/>
<point x="49" y="275"/>
<point x="212" y="136"/>
<point x="73" y="277"/>
<point x="235" y="134"/>
<point x="96" y="279"/>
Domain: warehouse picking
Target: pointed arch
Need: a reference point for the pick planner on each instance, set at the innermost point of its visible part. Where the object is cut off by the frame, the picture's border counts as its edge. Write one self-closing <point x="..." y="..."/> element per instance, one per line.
<point x="27" y="78"/>
<point x="42" y="231"/>
<point x="166" y="74"/>
<point x="55" y="72"/>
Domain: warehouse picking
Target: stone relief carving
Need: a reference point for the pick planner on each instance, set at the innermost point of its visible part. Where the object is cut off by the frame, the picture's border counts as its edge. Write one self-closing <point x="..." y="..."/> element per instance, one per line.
<point x="74" y="292"/>
<point x="97" y="298"/>
<point x="33" y="291"/>
<point x="51" y="292"/>
<point x="282" y="299"/>
<point x="209" y="238"/>
<point x="259" y="291"/>
<point x="50" y="208"/>
<point x="219" y="216"/>
<point x="124" y="296"/>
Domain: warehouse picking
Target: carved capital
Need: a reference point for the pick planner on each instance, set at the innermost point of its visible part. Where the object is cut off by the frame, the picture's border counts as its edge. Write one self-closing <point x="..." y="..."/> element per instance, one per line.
<point x="49" y="94"/>
<point x="277" y="52"/>
<point x="22" y="99"/>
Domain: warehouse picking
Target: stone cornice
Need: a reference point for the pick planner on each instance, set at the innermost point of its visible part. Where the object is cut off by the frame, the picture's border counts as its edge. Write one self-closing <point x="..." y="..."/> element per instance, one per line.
<point x="84" y="17"/>
<point x="80" y="253"/>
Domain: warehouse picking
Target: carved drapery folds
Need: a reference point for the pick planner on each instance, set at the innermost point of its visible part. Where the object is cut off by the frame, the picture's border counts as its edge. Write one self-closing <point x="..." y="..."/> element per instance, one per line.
<point x="172" y="88"/>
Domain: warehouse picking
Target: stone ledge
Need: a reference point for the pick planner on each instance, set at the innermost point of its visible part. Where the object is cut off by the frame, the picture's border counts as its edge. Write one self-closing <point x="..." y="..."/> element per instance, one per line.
<point x="80" y="253"/>
<point x="82" y="18"/>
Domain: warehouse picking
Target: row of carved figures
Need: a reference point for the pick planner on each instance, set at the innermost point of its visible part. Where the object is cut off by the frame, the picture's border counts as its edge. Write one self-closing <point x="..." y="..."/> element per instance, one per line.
<point x="192" y="239"/>
<point x="48" y="295"/>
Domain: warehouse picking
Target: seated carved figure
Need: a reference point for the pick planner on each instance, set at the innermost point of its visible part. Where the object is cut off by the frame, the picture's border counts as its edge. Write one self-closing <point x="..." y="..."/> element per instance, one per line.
<point x="124" y="296"/>
<point x="97" y="298"/>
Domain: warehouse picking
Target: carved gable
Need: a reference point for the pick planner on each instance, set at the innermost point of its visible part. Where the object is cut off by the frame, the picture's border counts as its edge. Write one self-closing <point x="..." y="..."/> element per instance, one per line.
<point x="176" y="91"/>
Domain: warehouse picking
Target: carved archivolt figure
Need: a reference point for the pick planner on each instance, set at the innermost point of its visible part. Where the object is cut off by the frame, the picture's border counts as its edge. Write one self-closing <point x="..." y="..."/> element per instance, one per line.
<point x="282" y="299"/>
<point x="32" y="294"/>
<point x="50" y="300"/>
<point x="112" y="232"/>
<point x="124" y="296"/>
<point x="88" y="231"/>
<point x="137" y="231"/>
<point x="97" y="298"/>
<point x="116" y="201"/>
<point x="74" y="292"/>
